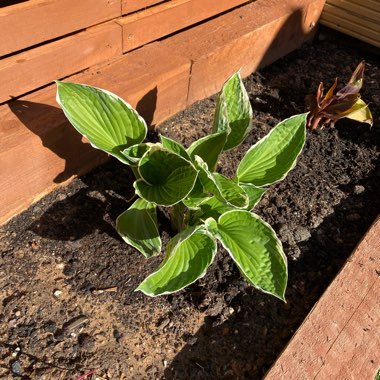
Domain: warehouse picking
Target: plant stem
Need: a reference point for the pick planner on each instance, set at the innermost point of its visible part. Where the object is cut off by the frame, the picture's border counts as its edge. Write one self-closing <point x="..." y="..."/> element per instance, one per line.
<point x="177" y="217"/>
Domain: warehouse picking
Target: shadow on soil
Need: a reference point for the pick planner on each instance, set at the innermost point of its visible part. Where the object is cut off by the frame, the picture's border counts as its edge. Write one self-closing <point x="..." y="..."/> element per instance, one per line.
<point x="253" y="325"/>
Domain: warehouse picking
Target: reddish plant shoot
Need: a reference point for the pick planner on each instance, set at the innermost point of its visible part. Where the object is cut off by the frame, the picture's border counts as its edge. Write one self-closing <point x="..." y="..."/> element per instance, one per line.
<point x="346" y="103"/>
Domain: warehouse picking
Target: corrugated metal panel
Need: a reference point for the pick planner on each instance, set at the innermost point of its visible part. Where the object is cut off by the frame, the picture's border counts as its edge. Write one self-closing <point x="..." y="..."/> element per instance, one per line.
<point x="357" y="18"/>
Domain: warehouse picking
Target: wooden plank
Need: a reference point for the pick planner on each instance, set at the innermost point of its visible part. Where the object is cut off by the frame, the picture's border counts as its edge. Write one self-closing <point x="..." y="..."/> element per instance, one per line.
<point x="350" y="32"/>
<point x="35" y="21"/>
<point x="247" y="38"/>
<point x="352" y="7"/>
<point x="351" y="28"/>
<point x="38" y="148"/>
<point x="340" y="338"/>
<point x="368" y="4"/>
<point x="367" y="20"/>
<point x="130" y="6"/>
<point x="161" y="20"/>
<point x="24" y="72"/>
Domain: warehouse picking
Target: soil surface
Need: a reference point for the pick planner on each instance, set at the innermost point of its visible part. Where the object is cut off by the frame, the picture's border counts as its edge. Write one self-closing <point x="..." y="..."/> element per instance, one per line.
<point x="67" y="280"/>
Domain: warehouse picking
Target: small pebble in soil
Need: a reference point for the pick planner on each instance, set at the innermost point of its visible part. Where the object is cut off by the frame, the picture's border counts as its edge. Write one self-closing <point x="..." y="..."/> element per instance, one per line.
<point x="301" y="234"/>
<point x="16" y="368"/>
<point x="353" y="217"/>
<point x="57" y="293"/>
<point x="359" y="189"/>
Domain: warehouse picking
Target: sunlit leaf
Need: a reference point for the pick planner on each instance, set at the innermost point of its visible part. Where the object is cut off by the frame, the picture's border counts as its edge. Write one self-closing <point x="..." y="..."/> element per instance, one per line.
<point x="360" y="112"/>
<point x="233" y="103"/>
<point x="166" y="177"/>
<point x="107" y="121"/>
<point x="255" y="248"/>
<point x="272" y="157"/>
<point x="254" y="194"/>
<point x="174" y="147"/>
<point x="224" y="189"/>
<point x="188" y="256"/>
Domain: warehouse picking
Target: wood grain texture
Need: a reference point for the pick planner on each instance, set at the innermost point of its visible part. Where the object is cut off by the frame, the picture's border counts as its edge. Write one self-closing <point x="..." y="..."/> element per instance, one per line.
<point x="247" y="38"/>
<point x="340" y="338"/>
<point x="130" y="6"/>
<point x="24" y="72"/>
<point x="359" y="20"/>
<point x="40" y="150"/>
<point x="161" y="20"/>
<point x="35" y="21"/>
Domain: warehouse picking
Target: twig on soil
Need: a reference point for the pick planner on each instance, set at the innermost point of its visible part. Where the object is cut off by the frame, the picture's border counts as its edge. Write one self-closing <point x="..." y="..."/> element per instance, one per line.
<point x="86" y="375"/>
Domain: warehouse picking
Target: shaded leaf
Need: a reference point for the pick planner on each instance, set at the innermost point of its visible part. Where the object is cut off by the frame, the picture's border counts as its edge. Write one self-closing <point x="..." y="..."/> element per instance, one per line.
<point x="134" y="153"/>
<point x="138" y="227"/>
<point x="208" y="148"/>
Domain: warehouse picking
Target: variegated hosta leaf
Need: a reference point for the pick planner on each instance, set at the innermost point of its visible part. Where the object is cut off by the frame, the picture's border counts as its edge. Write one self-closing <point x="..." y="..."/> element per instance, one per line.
<point x="255" y="248"/>
<point x="222" y="188"/>
<point x="134" y="153"/>
<point x="233" y="103"/>
<point x="272" y="157"/>
<point x="196" y="196"/>
<point x="254" y="194"/>
<point x="166" y="177"/>
<point x="209" y="208"/>
<point x="174" y="147"/>
<point x="107" y="121"/>
<point x="138" y="227"/>
<point x="188" y="256"/>
<point x="208" y="148"/>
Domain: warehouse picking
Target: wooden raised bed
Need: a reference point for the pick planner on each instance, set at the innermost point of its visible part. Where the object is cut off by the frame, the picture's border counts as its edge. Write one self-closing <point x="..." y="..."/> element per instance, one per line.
<point x="42" y="41"/>
<point x="340" y="338"/>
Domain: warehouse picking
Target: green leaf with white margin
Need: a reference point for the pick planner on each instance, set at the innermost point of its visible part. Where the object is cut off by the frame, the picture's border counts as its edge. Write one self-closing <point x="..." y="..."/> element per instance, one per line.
<point x="174" y="147"/>
<point x="166" y="177"/>
<point x="254" y="194"/>
<point x="138" y="227"/>
<point x="196" y="196"/>
<point x="272" y="157"/>
<point x="235" y="100"/>
<point x="255" y="248"/>
<point x="134" y="153"/>
<point x="107" y="121"/>
<point x="188" y="256"/>
<point x="208" y="148"/>
<point x="224" y="189"/>
<point x="209" y="208"/>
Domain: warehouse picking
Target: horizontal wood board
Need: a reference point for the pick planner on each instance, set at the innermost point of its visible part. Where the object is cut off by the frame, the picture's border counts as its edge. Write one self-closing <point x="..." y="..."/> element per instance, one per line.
<point x="156" y="22"/>
<point x="130" y="6"/>
<point x="35" y="21"/>
<point x="24" y="72"/>
<point x="247" y="38"/>
<point x="340" y="338"/>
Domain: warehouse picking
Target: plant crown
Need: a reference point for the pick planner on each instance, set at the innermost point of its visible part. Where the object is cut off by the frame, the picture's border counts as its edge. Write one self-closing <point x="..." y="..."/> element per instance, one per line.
<point x="205" y="206"/>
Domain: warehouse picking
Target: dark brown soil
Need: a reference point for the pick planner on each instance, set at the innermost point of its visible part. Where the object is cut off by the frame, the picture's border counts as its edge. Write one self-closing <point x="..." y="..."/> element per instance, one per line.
<point x="67" y="280"/>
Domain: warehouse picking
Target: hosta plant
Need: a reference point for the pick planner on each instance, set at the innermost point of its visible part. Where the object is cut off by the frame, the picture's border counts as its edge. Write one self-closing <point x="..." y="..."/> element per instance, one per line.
<point x="205" y="206"/>
<point x="346" y="103"/>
